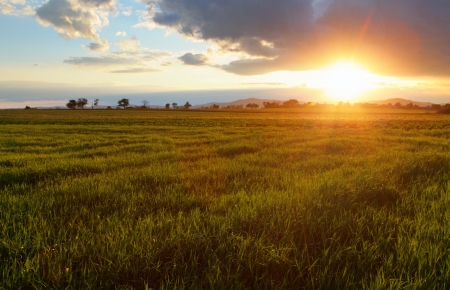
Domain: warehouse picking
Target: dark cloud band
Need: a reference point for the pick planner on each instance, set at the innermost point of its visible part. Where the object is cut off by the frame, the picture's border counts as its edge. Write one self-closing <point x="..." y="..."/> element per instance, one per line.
<point x="407" y="37"/>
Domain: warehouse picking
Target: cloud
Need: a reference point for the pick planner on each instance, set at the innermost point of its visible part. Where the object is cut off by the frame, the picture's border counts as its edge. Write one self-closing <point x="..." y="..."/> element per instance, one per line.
<point x="125" y="10"/>
<point x="145" y="17"/>
<point x="76" y="18"/>
<point x="136" y="70"/>
<point x="98" y="3"/>
<point x="7" y="8"/>
<point x="167" y="63"/>
<point x="193" y="59"/>
<point x="121" y="33"/>
<point x="251" y="46"/>
<point x="131" y="45"/>
<point x="16" y="8"/>
<point x="132" y="48"/>
<point x="397" y="37"/>
<point x="102" y="62"/>
<point x="264" y="84"/>
<point x="252" y="66"/>
<point x="100" y="46"/>
<point x="132" y="56"/>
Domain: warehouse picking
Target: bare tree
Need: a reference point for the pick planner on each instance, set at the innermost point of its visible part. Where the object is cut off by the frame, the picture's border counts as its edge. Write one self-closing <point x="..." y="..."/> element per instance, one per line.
<point x="145" y="103"/>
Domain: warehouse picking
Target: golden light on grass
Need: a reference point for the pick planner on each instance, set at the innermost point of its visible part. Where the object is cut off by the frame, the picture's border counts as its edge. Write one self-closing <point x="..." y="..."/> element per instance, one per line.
<point x="345" y="80"/>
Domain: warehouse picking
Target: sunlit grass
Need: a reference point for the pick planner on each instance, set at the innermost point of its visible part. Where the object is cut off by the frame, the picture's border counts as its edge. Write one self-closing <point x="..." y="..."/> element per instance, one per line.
<point x="204" y="200"/>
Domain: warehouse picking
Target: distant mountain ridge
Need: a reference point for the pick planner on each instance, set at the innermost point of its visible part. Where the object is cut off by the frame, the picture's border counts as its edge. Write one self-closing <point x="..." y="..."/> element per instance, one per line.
<point x="243" y="102"/>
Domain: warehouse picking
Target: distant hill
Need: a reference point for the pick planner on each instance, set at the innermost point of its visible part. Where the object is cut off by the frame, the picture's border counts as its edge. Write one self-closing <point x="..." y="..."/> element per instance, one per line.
<point x="243" y="102"/>
<point x="403" y="102"/>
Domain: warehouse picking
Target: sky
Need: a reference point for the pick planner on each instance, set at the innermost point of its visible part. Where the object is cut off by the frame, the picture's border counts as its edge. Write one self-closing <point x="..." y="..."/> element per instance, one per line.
<point x="223" y="50"/>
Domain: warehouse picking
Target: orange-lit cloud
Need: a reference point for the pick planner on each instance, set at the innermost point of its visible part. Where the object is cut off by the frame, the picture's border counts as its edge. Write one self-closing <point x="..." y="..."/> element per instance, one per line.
<point x="396" y="37"/>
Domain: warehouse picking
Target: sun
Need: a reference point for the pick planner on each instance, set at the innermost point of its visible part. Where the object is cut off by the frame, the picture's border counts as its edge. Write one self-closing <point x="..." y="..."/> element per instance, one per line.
<point x="345" y="80"/>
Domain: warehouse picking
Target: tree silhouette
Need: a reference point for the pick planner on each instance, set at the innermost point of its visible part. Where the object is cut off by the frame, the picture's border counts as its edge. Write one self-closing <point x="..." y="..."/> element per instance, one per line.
<point x="252" y="106"/>
<point x="174" y="105"/>
<point x="123" y="103"/>
<point x="82" y="102"/>
<point x="94" y="103"/>
<point x="72" y="104"/>
<point x="292" y="103"/>
<point x="167" y="106"/>
<point x="436" y="106"/>
<point x="409" y="106"/>
<point x="271" y="105"/>
<point x="187" y="105"/>
<point x="145" y="103"/>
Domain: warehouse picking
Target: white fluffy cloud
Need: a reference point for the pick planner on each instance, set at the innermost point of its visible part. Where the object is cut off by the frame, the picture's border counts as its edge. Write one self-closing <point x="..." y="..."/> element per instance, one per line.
<point x="76" y="18"/>
<point x="16" y="7"/>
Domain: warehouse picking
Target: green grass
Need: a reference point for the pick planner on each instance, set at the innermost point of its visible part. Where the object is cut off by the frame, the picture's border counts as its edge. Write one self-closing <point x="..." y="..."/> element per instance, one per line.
<point x="111" y="199"/>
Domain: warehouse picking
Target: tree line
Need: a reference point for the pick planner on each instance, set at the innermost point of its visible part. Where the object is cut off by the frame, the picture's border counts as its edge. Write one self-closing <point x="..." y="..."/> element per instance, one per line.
<point x="81" y="103"/>
<point x="296" y="104"/>
<point x="124" y="103"/>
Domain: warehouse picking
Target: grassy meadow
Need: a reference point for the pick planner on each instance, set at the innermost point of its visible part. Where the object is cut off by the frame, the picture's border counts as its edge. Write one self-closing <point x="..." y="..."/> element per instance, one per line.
<point x="154" y="199"/>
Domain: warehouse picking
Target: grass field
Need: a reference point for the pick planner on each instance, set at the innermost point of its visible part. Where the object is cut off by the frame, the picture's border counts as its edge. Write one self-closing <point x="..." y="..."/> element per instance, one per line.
<point x="123" y="199"/>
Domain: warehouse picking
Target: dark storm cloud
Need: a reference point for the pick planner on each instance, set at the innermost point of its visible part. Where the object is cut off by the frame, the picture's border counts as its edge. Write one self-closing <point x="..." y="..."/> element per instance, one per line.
<point x="409" y="37"/>
<point x="193" y="59"/>
<point x="235" y="19"/>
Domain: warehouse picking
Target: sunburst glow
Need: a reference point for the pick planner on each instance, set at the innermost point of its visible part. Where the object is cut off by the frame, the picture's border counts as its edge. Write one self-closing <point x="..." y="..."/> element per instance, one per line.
<point x="345" y="80"/>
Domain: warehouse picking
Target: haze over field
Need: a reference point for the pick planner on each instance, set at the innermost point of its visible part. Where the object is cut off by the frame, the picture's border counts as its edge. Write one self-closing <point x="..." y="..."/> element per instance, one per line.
<point x="220" y="51"/>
